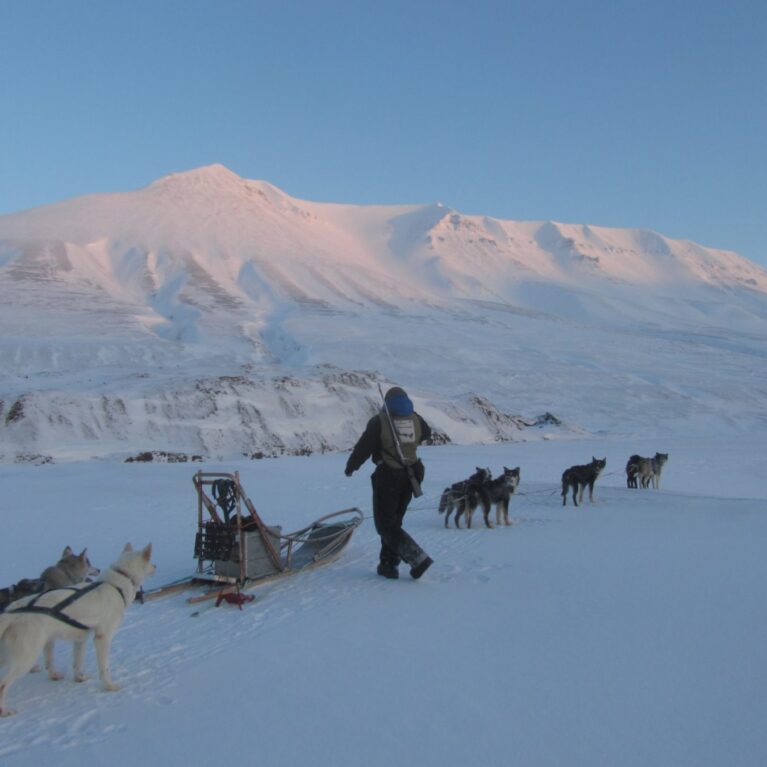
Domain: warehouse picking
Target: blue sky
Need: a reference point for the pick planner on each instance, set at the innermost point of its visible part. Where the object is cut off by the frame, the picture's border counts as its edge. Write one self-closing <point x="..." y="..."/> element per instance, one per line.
<point x="644" y="114"/>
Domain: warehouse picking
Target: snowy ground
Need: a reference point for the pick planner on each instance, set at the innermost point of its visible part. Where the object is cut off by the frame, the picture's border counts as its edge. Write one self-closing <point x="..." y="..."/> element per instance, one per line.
<point x="627" y="632"/>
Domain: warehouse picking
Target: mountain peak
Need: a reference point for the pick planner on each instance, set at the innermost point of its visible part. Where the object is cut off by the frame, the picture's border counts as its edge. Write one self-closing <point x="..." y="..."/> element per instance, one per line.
<point x="214" y="175"/>
<point x="217" y="181"/>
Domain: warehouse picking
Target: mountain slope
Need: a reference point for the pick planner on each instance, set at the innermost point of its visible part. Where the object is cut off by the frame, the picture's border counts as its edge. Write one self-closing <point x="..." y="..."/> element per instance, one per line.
<point x="141" y="298"/>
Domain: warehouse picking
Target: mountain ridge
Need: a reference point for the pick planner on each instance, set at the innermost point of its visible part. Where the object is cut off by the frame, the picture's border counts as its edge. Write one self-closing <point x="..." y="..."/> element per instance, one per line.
<point x="86" y="219"/>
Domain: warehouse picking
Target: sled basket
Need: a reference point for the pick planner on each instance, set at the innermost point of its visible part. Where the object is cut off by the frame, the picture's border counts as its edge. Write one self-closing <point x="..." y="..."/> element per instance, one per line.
<point x="234" y="545"/>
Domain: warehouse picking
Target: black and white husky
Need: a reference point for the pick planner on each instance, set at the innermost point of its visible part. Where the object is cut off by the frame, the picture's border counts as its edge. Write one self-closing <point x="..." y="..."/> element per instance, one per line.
<point x="463" y="494"/>
<point x="641" y="471"/>
<point x="578" y="477"/>
<point x="495" y="492"/>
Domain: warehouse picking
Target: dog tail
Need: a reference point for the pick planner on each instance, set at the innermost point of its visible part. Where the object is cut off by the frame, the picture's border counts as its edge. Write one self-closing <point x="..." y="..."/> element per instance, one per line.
<point x="443" y="500"/>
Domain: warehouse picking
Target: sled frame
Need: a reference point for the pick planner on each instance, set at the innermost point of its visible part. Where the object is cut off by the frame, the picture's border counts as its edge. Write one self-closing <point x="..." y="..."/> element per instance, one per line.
<point x="313" y="544"/>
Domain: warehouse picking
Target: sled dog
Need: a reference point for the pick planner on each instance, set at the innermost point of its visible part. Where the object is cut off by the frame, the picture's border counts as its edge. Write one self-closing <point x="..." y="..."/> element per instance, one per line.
<point x="70" y="569"/>
<point x="631" y="470"/>
<point x="31" y="625"/>
<point x="494" y="492"/>
<point x="578" y="477"/>
<point x="641" y="471"/>
<point x="463" y="493"/>
<point x="24" y="588"/>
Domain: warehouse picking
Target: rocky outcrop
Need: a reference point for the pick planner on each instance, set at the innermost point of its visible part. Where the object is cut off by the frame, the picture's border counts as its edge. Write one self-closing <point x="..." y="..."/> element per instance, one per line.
<point x="227" y="416"/>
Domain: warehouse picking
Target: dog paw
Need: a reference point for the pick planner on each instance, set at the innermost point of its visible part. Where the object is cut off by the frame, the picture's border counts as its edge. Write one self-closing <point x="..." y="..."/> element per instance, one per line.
<point x="35" y="669"/>
<point x="81" y="677"/>
<point x="8" y="712"/>
<point x="56" y="676"/>
<point x="111" y="687"/>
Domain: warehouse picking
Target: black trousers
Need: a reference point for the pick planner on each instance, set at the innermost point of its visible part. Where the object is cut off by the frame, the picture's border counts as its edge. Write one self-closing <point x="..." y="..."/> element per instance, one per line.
<point x="392" y="492"/>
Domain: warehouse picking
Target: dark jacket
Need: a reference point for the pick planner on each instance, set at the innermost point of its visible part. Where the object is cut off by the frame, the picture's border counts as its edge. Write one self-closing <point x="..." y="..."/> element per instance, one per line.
<point x="369" y="444"/>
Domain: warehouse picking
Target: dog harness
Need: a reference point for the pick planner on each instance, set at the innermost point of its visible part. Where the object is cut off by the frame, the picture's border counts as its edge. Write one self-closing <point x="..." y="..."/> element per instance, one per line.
<point x="56" y="611"/>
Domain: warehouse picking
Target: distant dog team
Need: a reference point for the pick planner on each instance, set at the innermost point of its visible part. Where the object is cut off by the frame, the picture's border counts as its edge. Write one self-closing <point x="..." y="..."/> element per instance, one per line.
<point x="480" y="489"/>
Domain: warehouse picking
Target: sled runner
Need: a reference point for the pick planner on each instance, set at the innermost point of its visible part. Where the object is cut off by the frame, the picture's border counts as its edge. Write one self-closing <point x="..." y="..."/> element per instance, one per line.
<point x="236" y="550"/>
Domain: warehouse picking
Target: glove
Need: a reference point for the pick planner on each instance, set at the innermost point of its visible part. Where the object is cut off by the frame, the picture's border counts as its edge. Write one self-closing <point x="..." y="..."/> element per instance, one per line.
<point x="348" y="472"/>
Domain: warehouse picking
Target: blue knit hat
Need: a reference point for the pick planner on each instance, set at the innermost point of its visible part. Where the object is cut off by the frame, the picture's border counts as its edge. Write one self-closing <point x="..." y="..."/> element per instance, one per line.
<point x="398" y="403"/>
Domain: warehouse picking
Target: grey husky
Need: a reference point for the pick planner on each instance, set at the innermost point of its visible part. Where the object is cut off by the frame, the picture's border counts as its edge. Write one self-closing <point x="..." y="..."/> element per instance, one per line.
<point x="641" y="471"/>
<point x="462" y="495"/>
<point x="494" y="492"/>
<point x="578" y="477"/>
<point x="70" y="569"/>
<point x="31" y="625"/>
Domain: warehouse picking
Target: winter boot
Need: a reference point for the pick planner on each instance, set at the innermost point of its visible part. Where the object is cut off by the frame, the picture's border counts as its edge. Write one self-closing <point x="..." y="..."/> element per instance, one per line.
<point x="409" y="550"/>
<point x="388" y="571"/>
<point x="416" y="571"/>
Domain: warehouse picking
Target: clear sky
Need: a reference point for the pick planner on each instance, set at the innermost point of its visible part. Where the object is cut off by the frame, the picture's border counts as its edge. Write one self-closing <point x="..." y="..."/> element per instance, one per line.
<point x="646" y="113"/>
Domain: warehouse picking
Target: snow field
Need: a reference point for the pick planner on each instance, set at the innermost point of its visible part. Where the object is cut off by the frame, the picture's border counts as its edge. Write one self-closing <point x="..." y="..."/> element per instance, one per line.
<point x="629" y="631"/>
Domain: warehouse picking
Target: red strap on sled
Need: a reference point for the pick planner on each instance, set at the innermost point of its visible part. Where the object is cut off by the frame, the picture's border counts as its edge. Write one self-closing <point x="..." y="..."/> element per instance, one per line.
<point x="234" y="598"/>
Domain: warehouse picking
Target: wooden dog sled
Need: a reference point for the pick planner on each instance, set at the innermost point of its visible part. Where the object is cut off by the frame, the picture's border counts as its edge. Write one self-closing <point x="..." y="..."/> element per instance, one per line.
<point x="236" y="550"/>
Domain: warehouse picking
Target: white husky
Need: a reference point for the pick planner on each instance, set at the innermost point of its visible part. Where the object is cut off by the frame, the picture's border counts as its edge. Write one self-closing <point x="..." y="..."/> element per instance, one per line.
<point x="33" y="624"/>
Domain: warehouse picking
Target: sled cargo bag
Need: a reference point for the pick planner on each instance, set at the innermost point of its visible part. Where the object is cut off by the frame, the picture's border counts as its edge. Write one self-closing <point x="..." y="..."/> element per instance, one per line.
<point x="258" y="562"/>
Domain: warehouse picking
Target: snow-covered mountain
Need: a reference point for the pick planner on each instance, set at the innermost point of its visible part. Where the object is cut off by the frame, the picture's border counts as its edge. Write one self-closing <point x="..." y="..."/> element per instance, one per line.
<point x="208" y="314"/>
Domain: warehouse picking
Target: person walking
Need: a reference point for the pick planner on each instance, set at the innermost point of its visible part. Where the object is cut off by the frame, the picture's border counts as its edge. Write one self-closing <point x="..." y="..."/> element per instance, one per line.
<point x="398" y="471"/>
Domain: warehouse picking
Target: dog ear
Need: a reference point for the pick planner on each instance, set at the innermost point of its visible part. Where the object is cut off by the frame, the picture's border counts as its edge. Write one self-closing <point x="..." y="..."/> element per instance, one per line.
<point x="81" y="555"/>
<point x="146" y="552"/>
<point x="67" y="552"/>
<point x="128" y="547"/>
